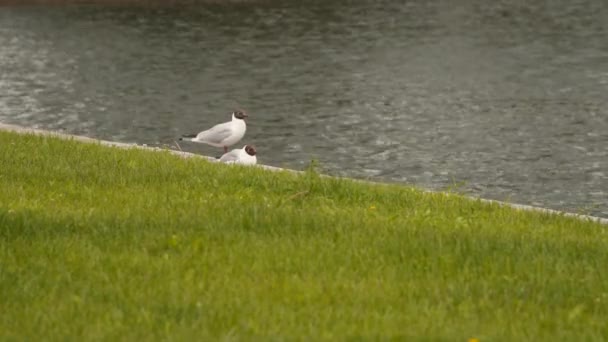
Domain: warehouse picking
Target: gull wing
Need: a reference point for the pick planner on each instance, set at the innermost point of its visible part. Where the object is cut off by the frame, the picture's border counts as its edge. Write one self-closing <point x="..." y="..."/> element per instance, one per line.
<point x="231" y="156"/>
<point x="215" y="134"/>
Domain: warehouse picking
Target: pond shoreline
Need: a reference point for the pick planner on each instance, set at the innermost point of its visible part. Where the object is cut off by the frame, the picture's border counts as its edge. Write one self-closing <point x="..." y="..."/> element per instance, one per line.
<point x="25" y="130"/>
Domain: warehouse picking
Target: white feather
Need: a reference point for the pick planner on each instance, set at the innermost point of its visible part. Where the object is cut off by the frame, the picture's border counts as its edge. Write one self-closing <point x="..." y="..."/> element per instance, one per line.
<point x="223" y="135"/>
<point x="238" y="156"/>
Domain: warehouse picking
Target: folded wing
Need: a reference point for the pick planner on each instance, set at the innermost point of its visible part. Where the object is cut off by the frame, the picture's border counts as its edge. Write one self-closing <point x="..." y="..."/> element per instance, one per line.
<point x="231" y="156"/>
<point x="216" y="134"/>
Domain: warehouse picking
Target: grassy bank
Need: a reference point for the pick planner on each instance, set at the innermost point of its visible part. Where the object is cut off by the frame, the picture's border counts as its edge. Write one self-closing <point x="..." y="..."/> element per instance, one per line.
<point x="104" y="243"/>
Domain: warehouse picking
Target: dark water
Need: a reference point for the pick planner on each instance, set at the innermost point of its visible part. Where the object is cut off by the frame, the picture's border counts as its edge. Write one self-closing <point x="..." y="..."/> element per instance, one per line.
<point x="509" y="98"/>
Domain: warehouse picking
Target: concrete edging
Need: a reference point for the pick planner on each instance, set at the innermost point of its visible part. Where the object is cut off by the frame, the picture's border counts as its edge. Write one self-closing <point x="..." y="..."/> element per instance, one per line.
<point x="25" y="130"/>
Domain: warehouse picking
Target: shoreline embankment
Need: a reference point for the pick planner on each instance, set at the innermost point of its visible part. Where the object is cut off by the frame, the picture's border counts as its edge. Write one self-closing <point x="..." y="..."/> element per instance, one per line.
<point x="25" y="130"/>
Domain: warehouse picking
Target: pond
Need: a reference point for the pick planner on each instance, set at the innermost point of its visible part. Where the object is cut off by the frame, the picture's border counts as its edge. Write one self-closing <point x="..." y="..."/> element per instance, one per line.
<point x="507" y="100"/>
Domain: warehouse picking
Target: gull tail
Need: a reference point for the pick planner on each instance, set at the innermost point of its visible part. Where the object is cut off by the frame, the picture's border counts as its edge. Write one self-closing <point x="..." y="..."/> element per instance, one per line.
<point x="188" y="136"/>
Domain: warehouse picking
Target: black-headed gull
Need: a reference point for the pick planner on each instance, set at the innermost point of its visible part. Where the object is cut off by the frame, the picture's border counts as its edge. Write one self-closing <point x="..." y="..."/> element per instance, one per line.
<point x="244" y="156"/>
<point x="222" y="135"/>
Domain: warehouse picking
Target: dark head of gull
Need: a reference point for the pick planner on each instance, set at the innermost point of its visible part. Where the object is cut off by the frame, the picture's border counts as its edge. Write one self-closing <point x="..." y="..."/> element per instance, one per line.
<point x="239" y="114"/>
<point x="250" y="150"/>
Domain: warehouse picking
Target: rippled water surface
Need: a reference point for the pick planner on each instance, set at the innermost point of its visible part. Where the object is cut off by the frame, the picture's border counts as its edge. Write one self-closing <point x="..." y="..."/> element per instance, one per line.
<point x="506" y="99"/>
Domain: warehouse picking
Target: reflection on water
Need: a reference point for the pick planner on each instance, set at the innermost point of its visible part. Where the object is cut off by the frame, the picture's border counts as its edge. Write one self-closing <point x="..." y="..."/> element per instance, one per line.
<point x="509" y="98"/>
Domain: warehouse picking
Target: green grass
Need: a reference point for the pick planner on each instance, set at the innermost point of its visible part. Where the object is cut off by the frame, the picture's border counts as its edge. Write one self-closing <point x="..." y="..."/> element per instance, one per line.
<point x="111" y="244"/>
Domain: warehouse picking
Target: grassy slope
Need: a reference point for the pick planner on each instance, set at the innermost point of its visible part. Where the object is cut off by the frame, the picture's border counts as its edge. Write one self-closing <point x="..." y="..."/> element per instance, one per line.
<point x="99" y="242"/>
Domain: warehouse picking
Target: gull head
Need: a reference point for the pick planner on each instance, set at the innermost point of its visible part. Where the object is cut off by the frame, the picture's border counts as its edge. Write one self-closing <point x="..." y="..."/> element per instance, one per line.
<point x="239" y="114"/>
<point x="250" y="150"/>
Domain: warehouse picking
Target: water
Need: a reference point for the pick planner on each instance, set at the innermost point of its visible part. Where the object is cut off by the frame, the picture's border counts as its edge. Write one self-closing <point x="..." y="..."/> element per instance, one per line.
<point x="507" y="100"/>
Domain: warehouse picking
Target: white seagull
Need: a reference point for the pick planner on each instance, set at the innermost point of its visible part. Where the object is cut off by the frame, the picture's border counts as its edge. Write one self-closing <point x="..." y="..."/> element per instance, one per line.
<point x="243" y="156"/>
<point x="222" y="135"/>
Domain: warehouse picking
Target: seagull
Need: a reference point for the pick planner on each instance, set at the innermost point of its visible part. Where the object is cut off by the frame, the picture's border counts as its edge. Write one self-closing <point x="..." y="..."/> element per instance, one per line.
<point x="222" y="135"/>
<point x="244" y="156"/>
